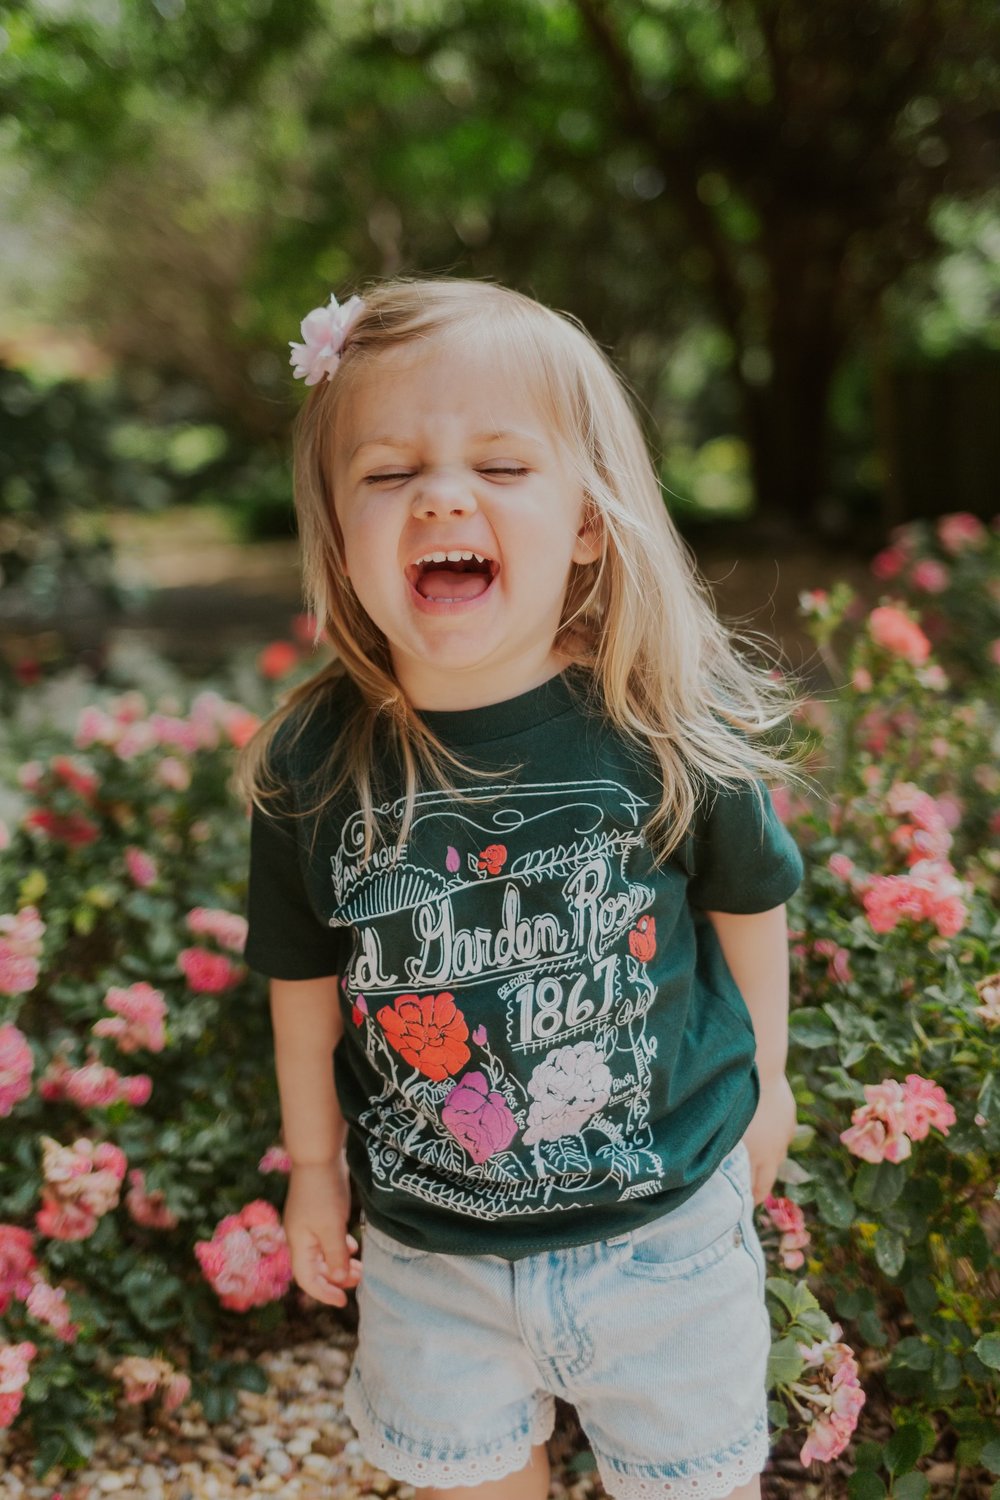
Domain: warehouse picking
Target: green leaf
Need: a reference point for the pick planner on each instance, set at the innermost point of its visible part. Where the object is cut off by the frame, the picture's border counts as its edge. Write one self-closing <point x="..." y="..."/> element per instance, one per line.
<point x="990" y="1456"/>
<point x="783" y="1291"/>
<point x="850" y="1303"/>
<point x="865" y="1485"/>
<point x="871" y="1330"/>
<point x="784" y="1363"/>
<point x="777" y="1415"/>
<point x="835" y="1205"/>
<point x="945" y="1370"/>
<point x="903" y="1449"/>
<point x="913" y="1354"/>
<point x="51" y="1451"/>
<point x="988" y="1103"/>
<point x="890" y="1251"/>
<point x="868" y="1455"/>
<point x="988" y="1350"/>
<point x="217" y="1402"/>
<point x="921" y="1298"/>
<point x="878" y="1184"/>
<point x="810" y="1027"/>
<point x="995" y="1491"/>
<point x="911" y="1487"/>
<point x="582" y="1463"/>
<point x="251" y="1377"/>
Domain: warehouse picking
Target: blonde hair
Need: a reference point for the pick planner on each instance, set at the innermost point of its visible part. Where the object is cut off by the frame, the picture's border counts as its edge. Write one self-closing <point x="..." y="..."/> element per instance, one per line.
<point x="662" y="668"/>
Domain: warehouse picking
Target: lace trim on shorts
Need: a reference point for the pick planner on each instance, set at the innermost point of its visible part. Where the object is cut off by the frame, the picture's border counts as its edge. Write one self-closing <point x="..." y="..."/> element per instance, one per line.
<point x="437" y="1473"/>
<point x="711" y="1484"/>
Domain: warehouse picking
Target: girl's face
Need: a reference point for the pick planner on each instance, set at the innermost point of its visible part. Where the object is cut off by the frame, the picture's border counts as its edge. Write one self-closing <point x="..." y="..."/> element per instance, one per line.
<point x="440" y="451"/>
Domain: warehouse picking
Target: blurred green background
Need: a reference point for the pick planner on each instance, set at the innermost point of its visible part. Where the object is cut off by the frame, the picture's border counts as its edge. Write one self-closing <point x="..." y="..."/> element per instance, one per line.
<point x="781" y="218"/>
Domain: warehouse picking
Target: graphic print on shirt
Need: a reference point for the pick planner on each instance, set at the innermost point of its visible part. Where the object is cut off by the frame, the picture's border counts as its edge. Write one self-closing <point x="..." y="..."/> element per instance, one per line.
<point x="512" y="1039"/>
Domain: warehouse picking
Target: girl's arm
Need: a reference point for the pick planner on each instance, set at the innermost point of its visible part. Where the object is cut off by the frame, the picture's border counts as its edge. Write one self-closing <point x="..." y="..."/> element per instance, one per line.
<point x="307" y="1024"/>
<point x="755" y="947"/>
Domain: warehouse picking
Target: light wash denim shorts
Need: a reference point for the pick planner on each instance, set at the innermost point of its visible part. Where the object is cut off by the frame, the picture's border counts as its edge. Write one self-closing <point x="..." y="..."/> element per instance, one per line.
<point x="658" y="1337"/>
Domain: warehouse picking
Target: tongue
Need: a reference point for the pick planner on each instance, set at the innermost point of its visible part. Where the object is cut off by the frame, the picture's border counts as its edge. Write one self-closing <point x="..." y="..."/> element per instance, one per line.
<point x="447" y="583"/>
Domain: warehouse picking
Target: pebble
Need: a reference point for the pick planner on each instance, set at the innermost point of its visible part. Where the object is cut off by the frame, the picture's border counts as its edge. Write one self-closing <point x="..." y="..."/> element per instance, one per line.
<point x="279" y="1460"/>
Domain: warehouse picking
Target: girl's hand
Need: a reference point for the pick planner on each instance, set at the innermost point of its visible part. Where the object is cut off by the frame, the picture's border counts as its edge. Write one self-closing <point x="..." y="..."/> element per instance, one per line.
<point x="317" y="1210"/>
<point x="769" y="1133"/>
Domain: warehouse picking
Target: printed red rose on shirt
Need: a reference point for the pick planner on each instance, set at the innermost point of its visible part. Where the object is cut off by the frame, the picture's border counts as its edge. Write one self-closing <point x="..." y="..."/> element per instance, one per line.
<point x="642" y="939"/>
<point x="429" y="1033"/>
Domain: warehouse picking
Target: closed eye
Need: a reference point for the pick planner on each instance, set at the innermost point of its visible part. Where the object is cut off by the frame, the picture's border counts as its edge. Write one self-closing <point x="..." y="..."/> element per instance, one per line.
<point x="506" y="473"/>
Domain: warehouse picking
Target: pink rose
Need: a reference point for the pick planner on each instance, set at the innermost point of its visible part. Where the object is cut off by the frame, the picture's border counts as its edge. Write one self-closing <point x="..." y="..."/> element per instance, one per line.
<point x="139" y="1019"/>
<point x="16" y="1065"/>
<point x="896" y="632"/>
<point x="930" y="576"/>
<point x="148" y="1209"/>
<point x="247" y="1260"/>
<point x="141" y="867"/>
<point x="887" y="563"/>
<point x="208" y="973"/>
<point x="960" y="531"/>
<point x="228" y="928"/>
<point x="17" y="1264"/>
<point x="878" y="1127"/>
<point x="924" y="1105"/>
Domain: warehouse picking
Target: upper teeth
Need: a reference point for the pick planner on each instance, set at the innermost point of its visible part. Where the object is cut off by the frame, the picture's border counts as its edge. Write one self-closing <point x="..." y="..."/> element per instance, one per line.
<point x="449" y="557"/>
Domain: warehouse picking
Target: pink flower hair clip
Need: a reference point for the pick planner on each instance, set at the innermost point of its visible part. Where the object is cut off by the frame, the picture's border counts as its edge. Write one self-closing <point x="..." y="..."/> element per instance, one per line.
<point x="324" y="331"/>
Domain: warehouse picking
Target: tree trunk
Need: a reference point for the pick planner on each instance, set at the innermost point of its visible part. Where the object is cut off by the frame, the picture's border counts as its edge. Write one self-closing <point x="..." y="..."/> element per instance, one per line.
<point x="787" y="424"/>
<point x="786" y="408"/>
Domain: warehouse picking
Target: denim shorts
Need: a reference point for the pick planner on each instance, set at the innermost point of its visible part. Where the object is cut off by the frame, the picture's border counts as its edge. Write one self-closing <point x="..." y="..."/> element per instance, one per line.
<point x="658" y="1337"/>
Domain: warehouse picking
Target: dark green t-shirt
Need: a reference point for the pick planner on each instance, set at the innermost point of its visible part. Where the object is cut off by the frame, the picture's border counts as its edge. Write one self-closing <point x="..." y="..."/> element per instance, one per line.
<point x="543" y="1044"/>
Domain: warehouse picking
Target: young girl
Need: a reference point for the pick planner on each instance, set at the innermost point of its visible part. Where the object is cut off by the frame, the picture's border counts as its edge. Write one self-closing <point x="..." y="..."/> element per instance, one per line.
<point x="514" y="864"/>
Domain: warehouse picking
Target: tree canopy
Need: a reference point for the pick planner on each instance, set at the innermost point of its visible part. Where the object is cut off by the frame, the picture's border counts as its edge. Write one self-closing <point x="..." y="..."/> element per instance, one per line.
<point x="762" y="171"/>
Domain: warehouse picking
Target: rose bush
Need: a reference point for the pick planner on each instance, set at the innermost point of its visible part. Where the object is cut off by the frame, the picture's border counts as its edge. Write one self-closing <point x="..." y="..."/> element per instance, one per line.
<point x="890" y="1192"/>
<point x="142" y="1171"/>
<point x="139" y="1180"/>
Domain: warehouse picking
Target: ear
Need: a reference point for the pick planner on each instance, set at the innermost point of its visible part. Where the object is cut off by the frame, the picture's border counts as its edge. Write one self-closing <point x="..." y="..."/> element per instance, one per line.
<point x="589" y="542"/>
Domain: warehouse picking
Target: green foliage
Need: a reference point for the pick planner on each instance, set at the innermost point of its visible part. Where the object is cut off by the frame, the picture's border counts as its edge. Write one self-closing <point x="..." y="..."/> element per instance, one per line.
<point x="660" y="170"/>
<point x="56" y="469"/>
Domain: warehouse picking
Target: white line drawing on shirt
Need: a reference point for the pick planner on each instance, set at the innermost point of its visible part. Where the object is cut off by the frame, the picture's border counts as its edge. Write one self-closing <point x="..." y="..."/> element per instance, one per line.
<point x="561" y="978"/>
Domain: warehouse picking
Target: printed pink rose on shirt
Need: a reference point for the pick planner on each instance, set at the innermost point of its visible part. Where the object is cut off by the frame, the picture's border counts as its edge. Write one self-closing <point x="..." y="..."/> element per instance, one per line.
<point x="479" y="1119"/>
<point x="572" y="1084"/>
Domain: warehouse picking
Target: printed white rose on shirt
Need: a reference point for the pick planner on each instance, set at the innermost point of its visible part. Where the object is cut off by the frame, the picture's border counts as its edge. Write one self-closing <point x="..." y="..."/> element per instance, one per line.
<point x="572" y="1084"/>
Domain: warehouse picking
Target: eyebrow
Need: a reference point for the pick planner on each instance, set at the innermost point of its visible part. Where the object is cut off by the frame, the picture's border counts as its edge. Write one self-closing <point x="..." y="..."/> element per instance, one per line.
<point x="489" y="436"/>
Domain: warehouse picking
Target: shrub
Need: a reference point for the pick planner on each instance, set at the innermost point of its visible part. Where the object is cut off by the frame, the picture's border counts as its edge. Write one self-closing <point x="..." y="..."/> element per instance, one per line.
<point x="892" y="1183"/>
<point x="136" y="1087"/>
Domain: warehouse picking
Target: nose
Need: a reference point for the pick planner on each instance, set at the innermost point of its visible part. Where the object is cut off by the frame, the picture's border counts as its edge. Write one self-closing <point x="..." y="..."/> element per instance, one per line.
<point x="442" y="492"/>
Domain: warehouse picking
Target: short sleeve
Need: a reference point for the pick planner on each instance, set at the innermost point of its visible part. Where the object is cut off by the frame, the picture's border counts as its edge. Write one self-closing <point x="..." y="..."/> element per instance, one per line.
<point x="285" y="937"/>
<point x="740" y="861"/>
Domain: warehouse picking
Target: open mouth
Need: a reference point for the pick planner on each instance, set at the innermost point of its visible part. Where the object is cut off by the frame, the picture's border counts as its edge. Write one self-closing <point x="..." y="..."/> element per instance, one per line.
<point x="443" y="577"/>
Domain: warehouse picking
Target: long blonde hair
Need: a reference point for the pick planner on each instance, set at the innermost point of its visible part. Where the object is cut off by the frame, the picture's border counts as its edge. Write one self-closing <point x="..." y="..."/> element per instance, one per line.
<point x="661" y="667"/>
